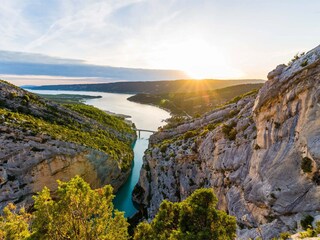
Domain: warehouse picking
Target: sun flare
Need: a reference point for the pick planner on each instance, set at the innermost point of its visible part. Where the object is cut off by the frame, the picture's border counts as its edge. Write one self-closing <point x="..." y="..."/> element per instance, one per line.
<point x="198" y="59"/>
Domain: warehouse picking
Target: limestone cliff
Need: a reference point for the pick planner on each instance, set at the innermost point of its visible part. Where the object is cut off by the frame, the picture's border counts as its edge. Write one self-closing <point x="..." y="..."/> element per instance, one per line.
<point x="260" y="154"/>
<point x="41" y="142"/>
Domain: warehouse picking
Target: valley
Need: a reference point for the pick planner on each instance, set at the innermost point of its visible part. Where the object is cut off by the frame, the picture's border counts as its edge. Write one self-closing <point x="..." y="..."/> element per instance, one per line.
<point x="237" y="145"/>
<point x="259" y="153"/>
<point x="159" y="120"/>
<point x="42" y="141"/>
<point x="135" y="113"/>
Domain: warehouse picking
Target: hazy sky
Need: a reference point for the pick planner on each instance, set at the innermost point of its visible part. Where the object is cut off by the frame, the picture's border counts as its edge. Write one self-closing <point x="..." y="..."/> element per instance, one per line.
<point x="205" y="38"/>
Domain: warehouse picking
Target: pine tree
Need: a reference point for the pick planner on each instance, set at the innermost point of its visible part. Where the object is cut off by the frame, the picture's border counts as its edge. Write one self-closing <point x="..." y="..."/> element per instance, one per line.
<point x="195" y="218"/>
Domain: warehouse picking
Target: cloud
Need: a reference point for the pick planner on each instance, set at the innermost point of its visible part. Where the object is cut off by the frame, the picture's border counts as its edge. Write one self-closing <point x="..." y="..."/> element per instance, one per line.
<point x="20" y="63"/>
<point x="38" y="80"/>
<point x="23" y="57"/>
<point x="83" y="25"/>
<point x="147" y="33"/>
<point x="14" y="29"/>
<point x="128" y="33"/>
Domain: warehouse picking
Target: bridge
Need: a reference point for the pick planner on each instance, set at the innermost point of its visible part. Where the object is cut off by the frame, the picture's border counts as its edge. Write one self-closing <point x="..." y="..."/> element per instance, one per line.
<point x="143" y="130"/>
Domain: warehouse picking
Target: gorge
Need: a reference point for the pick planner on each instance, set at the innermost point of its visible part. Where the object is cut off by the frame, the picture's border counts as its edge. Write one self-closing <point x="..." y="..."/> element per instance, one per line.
<point x="140" y="115"/>
<point x="42" y="142"/>
<point x="260" y="154"/>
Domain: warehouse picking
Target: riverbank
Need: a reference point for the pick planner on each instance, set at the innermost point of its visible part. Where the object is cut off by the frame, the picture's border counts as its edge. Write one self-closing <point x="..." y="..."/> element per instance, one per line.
<point x="196" y="103"/>
<point x="118" y="104"/>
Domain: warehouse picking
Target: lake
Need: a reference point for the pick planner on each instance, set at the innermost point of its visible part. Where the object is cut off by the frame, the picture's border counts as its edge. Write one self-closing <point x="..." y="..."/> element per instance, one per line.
<point x="143" y="116"/>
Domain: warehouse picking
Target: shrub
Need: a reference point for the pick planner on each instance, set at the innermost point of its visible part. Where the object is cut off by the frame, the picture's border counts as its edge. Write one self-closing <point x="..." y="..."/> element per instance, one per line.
<point x="295" y="57"/>
<point x="232" y="113"/>
<point x="237" y="98"/>
<point x="277" y="125"/>
<point x="14" y="224"/>
<point x="163" y="148"/>
<point x="185" y="147"/>
<point x="76" y="212"/>
<point x="189" y="134"/>
<point x="24" y="102"/>
<point x="229" y="131"/>
<point x="285" y="235"/>
<point x="232" y="134"/>
<point x="316" y="178"/>
<point x="2" y="103"/>
<point x="12" y="95"/>
<point x="173" y="122"/>
<point x="194" y="218"/>
<point x="306" y="165"/>
<point x="304" y="63"/>
<point x="244" y="127"/>
<point x="212" y="126"/>
<point x="306" y="222"/>
<point x="204" y="132"/>
<point x="317" y="229"/>
<point x="308" y="233"/>
<point x="26" y="98"/>
<point x="147" y="167"/>
<point x="257" y="147"/>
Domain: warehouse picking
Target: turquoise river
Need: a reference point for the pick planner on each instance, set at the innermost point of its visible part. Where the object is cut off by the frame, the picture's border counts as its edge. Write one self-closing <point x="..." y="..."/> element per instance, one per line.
<point x="144" y="117"/>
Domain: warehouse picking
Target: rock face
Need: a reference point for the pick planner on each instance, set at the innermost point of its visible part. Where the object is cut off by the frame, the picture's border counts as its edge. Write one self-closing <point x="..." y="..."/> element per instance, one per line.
<point x="32" y="159"/>
<point x="261" y="154"/>
<point x="28" y="165"/>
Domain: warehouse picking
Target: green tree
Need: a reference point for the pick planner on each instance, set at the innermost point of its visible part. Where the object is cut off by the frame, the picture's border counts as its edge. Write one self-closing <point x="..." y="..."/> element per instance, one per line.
<point x="194" y="218"/>
<point x="14" y="225"/>
<point x="78" y="213"/>
<point x="74" y="212"/>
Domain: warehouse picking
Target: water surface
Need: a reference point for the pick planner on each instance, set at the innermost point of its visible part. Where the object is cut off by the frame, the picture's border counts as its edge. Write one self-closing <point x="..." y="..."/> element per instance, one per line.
<point x="143" y="116"/>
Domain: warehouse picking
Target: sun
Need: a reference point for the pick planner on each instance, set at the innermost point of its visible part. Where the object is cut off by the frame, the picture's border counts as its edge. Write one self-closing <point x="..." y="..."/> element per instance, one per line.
<point x="198" y="59"/>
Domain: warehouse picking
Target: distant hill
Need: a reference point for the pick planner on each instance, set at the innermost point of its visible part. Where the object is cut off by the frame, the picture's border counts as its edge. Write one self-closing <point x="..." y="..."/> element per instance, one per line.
<point x="152" y="87"/>
<point x="196" y="103"/>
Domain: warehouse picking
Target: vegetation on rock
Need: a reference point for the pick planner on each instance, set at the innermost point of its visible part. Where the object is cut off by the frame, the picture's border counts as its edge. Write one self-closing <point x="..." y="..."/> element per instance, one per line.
<point x="68" y="98"/>
<point x="76" y="212"/>
<point x="194" y="218"/>
<point x="14" y="225"/>
<point x="101" y="117"/>
<point x="196" y="103"/>
<point x="306" y="165"/>
<point x="252" y="159"/>
<point x="90" y="136"/>
<point x="307" y="222"/>
<point x="229" y="130"/>
<point x="77" y="123"/>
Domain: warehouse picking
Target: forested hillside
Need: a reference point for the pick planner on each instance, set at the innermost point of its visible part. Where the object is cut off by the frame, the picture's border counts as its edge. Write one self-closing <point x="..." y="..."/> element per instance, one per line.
<point x="197" y="102"/>
<point x="152" y="87"/>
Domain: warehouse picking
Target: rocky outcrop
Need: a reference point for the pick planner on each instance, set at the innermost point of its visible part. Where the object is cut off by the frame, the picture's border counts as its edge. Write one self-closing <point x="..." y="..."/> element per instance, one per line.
<point x="30" y="163"/>
<point x="261" y="155"/>
<point x="31" y="158"/>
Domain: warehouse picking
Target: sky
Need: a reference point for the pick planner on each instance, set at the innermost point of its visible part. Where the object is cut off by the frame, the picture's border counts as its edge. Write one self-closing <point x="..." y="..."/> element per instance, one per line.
<point x="204" y="38"/>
